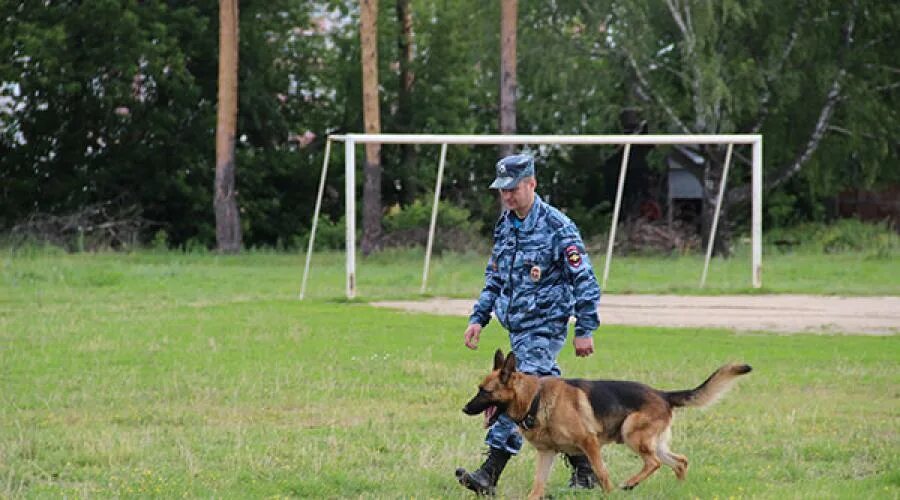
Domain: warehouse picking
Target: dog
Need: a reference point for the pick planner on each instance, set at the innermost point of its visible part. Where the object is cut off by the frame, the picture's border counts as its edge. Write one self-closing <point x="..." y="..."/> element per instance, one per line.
<point x="578" y="417"/>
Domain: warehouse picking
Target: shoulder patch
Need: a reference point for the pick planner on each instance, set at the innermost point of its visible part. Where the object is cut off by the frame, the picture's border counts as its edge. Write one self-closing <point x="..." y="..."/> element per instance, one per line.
<point x="573" y="256"/>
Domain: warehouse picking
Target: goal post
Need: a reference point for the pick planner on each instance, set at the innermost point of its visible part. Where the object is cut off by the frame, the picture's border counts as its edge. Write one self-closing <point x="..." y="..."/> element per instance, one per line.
<point x="352" y="140"/>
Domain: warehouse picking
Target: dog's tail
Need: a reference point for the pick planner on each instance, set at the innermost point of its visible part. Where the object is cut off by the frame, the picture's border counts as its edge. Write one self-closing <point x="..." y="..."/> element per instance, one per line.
<point x="711" y="389"/>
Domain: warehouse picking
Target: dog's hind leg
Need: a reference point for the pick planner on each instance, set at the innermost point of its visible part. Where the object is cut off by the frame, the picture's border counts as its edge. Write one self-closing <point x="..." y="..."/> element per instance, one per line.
<point x="591" y="449"/>
<point x="678" y="463"/>
<point x="640" y="433"/>
<point x="541" y="473"/>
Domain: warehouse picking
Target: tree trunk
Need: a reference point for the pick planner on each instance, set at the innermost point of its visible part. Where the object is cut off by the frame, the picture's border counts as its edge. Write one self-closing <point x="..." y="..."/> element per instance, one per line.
<point x="406" y="47"/>
<point x="508" y="14"/>
<point x="228" y="223"/>
<point x="372" y="189"/>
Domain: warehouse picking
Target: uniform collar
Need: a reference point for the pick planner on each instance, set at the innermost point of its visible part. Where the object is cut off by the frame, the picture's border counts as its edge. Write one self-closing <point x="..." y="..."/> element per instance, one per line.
<point x="531" y="219"/>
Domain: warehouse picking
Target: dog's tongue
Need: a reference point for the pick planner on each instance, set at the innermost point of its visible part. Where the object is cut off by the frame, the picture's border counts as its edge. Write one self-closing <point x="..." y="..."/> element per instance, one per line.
<point x="488" y="415"/>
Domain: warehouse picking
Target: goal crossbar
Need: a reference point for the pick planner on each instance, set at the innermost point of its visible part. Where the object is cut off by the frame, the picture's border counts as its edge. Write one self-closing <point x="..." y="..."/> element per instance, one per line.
<point x="351" y="140"/>
<point x="496" y="140"/>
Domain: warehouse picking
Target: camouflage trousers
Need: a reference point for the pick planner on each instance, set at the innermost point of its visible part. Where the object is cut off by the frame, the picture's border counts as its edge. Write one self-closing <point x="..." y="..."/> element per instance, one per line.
<point x="536" y="354"/>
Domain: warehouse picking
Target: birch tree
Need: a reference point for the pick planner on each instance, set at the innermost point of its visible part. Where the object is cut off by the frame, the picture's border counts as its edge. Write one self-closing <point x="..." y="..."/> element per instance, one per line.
<point x="787" y="70"/>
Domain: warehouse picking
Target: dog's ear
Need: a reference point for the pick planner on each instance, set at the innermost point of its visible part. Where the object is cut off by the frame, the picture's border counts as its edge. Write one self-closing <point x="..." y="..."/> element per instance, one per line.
<point x="498" y="359"/>
<point x="509" y="366"/>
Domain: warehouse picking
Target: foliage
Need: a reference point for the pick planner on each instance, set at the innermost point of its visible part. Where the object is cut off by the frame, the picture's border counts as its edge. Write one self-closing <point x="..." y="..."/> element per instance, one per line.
<point x="791" y="71"/>
<point x="100" y="111"/>
<point x="418" y="215"/>
<point x="329" y="235"/>
<point x="104" y="100"/>
<point x="117" y="99"/>
<point x="455" y="228"/>
<point x="845" y="235"/>
<point x="591" y="221"/>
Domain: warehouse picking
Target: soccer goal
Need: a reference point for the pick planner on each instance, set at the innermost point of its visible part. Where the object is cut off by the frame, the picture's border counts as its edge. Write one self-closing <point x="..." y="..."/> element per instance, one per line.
<point x="627" y="141"/>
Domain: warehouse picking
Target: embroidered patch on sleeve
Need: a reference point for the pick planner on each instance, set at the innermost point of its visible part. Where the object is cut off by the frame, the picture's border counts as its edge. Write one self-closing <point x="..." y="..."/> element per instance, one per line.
<point x="573" y="256"/>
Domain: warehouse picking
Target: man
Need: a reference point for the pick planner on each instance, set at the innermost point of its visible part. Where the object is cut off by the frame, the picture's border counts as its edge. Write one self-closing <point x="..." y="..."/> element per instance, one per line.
<point x="537" y="277"/>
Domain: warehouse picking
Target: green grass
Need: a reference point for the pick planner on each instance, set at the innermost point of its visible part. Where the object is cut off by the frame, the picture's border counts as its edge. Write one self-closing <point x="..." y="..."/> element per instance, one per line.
<point x="170" y="375"/>
<point x="399" y="274"/>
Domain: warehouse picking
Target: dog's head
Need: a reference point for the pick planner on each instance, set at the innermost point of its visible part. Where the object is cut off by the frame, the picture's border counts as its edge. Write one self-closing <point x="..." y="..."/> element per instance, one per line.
<point x="495" y="390"/>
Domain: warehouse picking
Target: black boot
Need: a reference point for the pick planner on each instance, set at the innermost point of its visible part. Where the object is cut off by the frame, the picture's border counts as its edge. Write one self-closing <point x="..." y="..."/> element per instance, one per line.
<point x="583" y="476"/>
<point x="484" y="480"/>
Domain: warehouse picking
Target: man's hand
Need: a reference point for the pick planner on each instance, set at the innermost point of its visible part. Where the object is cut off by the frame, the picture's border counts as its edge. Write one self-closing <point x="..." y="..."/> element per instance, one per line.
<point x="584" y="346"/>
<point x="473" y="332"/>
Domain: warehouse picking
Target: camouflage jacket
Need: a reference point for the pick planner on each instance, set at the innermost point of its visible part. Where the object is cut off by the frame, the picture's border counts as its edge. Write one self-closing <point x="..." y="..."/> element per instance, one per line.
<point x="539" y="275"/>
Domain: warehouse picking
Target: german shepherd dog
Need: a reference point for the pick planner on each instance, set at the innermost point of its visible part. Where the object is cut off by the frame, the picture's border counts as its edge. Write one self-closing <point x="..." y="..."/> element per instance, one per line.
<point x="578" y="417"/>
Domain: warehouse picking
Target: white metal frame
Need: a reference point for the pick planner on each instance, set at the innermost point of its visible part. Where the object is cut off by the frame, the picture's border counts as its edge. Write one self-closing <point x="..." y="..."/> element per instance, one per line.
<point x="351" y="140"/>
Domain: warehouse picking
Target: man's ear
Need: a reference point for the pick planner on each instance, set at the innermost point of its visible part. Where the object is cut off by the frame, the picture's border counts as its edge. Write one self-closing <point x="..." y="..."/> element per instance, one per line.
<point x="509" y="366"/>
<point x="498" y="359"/>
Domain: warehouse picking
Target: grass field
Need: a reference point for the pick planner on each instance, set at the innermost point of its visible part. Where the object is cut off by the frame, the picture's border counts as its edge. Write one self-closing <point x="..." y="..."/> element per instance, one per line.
<point x="174" y="375"/>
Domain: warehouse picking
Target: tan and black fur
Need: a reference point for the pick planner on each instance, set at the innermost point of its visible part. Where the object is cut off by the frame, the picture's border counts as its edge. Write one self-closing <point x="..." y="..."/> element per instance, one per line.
<point x="578" y="417"/>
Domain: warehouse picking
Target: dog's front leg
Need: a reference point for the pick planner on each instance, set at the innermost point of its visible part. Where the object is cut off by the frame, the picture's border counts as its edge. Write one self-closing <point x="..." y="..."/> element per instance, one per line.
<point x="592" y="450"/>
<point x="541" y="472"/>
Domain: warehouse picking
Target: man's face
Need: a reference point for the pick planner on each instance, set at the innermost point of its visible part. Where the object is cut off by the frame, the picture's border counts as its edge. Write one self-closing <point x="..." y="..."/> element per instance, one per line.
<point x="519" y="198"/>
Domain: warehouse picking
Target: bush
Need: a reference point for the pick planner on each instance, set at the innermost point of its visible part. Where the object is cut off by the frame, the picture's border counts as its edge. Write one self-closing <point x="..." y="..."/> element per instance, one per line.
<point x="403" y="227"/>
<point x="330" y="235"/>
<point x="592" y="222"/>
<point x="418" y="215"/>
<point x="844" y="235"/>
<point x="456" y="230"/>
<point x="29" y="248"/>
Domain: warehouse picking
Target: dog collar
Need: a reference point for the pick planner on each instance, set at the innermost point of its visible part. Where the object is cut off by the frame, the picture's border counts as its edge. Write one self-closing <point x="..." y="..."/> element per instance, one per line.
<point x="529" y="421"/>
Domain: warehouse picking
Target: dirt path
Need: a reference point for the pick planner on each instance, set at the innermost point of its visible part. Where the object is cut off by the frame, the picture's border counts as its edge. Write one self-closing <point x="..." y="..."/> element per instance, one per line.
<point x="779" y="313"/>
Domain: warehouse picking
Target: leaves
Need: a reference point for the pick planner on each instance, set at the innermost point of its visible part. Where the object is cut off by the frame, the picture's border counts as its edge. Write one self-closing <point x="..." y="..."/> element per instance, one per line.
<point x="107" y="98"/>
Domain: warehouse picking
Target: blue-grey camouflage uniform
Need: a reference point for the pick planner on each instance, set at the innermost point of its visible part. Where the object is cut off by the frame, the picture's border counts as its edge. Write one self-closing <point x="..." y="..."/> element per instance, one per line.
<point x="539" y="275"/>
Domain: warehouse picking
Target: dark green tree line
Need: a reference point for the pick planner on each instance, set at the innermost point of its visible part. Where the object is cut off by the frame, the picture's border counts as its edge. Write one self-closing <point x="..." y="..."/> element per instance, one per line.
<point x="104" y="100"/>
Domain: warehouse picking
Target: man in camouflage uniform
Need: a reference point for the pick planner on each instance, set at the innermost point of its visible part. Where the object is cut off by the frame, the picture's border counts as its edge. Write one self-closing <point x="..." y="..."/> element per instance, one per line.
<point x="539" y="275"/>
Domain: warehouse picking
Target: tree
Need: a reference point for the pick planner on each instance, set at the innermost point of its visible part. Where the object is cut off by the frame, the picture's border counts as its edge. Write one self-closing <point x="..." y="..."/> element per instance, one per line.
<point x="717" y="49"/>
<point x="368" y="34"/>
<point x="83" y="121"/>
<point x="700" y="67"/>
<point x="228" y="223"/>
<point x="406" y="77"/>
<point x="94" y="121"/>
<point x="508" y="87"/>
